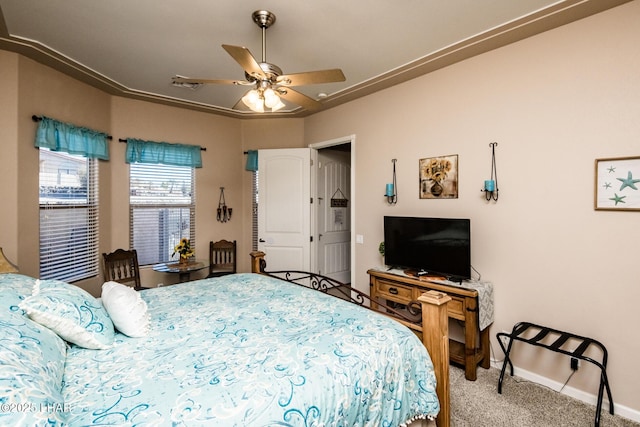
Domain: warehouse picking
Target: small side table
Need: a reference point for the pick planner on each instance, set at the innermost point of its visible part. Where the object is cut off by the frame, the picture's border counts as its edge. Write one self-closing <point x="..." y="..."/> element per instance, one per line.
<point x="183" y="270"/>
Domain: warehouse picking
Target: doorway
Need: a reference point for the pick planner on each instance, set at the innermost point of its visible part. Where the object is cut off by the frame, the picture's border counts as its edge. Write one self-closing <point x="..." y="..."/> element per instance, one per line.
<point x="291" y="202"/>
<point x="333" y="211"/>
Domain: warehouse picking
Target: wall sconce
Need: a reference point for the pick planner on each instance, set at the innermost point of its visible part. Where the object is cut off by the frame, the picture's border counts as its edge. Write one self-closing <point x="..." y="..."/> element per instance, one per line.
<point x="391" y="192"/>
<point x="491" y="185"/>
<point x="224" y="213"/>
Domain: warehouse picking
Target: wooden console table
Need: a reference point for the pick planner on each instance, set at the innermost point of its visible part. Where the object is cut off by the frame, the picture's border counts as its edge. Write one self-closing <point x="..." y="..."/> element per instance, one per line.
<point x="464" y="307"/>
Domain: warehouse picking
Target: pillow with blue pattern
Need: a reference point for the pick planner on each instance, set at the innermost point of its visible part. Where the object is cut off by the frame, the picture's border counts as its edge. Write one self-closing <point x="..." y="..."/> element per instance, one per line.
<point x="14" y="288"/>
<point x="31" y="370"/>
<point x="71" y="312"/>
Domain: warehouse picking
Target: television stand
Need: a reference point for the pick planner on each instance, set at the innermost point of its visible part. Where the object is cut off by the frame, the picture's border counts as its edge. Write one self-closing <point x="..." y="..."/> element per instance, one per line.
<point x="464" y="307"/>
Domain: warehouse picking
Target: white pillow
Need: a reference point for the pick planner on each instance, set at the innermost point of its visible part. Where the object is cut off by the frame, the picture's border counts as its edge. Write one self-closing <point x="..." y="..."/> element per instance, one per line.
<point x="127" y="310"/>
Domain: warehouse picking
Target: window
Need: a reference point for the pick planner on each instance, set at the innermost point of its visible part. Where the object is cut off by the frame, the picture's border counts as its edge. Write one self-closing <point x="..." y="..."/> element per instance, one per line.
<point x="252" y="165"/>
<point x="68" y="216"/>
<point x="161" y="209"/>
<point x="254" y="211"/>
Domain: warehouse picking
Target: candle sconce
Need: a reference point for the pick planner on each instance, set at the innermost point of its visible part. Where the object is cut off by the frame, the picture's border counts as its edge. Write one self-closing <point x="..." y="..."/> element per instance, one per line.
<point x="224" y="213"/>
<point x="491" y="185"/>
<point x="391" y="191"/>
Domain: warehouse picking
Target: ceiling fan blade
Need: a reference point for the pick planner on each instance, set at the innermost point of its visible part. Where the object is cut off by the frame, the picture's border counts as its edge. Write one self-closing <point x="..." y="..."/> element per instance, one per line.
<point x="246" y="60"/>
<point x="312" y="77"/>
<point x="299" y="99"/>
<point x="208" y="81"/>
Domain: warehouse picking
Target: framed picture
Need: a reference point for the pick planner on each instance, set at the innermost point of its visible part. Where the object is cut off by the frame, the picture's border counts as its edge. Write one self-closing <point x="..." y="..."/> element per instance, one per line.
<point x="617" y="186"/>
<point x="439" y="177"/>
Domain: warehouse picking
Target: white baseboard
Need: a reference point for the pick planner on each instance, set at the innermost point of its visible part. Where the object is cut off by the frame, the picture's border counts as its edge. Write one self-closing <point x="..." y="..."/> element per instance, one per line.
<point x="591" y="399"/>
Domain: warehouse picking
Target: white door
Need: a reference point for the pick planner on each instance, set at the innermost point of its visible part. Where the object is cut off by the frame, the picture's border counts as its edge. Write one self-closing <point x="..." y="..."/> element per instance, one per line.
<point x="334" y="214"/>
<point x="284" y="213"/>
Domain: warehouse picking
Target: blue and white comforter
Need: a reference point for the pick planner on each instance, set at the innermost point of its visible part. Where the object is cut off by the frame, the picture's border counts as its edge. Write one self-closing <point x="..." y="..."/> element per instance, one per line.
<point x="249" y="350"/>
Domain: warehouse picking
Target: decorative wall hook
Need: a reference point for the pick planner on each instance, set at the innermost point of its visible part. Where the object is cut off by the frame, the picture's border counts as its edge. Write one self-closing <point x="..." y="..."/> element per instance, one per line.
<point x="224" y="213"/>
<point x="491" y="185"/>
<point x="392" y="189"/>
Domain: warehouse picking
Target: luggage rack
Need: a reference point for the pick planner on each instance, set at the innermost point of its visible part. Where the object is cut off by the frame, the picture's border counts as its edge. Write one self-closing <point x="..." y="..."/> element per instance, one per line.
<point x="561" y="338"/>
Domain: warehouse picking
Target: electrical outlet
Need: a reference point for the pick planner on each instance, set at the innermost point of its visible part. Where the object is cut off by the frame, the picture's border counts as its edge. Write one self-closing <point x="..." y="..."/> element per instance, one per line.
<point x="575" y="364"/>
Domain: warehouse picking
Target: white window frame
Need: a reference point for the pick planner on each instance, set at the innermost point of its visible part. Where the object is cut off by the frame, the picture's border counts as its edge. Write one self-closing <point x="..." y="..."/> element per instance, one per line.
<point x="69" y="216"/>
<point x="159" y="208"/>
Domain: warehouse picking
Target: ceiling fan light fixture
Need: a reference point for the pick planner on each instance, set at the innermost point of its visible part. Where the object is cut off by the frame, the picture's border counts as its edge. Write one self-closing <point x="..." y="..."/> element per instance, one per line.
<point x="258" y="99"/>
<point x="253" y="100"/>
<point x="252" y="97"/>
<point x="271" y="99"/>
<point x="278" y="106"/>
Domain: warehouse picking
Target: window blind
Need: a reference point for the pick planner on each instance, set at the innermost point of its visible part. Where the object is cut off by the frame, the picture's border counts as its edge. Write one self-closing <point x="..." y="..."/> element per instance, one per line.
<point x="161" y="210"/>
<point x="68" y="201"/>
<point x="254" y="210"/>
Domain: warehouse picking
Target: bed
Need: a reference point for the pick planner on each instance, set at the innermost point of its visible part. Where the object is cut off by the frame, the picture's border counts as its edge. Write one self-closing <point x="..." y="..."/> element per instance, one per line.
<point x="241" y="350"/>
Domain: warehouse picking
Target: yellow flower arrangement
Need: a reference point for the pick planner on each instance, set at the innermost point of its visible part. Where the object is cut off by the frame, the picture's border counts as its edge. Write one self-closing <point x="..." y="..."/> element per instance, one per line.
<point x="184" y="249"/>
<point x="437" y="169"/>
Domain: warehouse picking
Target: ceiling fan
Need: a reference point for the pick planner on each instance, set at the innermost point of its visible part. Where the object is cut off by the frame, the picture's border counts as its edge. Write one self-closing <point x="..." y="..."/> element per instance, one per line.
<point x="270" y="84"/>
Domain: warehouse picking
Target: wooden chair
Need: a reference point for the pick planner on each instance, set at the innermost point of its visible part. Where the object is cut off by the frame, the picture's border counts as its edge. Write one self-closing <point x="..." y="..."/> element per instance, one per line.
<point x="222" y="258"/>
<point x="122" y="266"/>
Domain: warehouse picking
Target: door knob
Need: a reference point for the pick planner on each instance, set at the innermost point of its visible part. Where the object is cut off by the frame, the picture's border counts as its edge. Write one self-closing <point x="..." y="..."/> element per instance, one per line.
<point x="261" y="240"/>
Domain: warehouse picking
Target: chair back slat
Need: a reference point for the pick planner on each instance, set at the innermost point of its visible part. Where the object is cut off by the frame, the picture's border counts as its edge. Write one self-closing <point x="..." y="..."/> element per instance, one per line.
<point x="222" y="258"/>
<point x="122" y="266"/>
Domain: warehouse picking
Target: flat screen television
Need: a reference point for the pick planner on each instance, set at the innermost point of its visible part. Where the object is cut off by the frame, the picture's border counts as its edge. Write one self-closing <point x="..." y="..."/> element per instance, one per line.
<point x="429" y="246"/>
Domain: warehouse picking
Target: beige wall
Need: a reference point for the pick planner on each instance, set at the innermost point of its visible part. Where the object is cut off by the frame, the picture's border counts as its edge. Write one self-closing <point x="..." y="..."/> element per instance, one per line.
<point x="9" y="157"/>
<point x="554" y="103"/>
<point x="222" y="167"/>
<point x="43" y="91"/>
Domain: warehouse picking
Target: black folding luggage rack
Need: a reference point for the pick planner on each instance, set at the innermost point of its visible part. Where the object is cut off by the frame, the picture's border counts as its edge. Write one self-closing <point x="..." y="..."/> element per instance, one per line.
<point x="561" y="338"/>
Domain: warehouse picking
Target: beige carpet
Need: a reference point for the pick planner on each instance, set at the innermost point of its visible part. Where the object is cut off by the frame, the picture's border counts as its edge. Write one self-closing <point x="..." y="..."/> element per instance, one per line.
<point x="521" y="404"/>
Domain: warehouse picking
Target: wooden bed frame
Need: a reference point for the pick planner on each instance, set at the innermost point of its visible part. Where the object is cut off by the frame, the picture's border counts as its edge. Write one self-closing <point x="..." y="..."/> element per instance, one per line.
<point x="427" y="317"/>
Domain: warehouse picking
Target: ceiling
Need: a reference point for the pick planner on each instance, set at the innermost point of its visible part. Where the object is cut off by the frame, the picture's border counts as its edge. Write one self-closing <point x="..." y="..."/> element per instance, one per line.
<point x="134" y="48"/>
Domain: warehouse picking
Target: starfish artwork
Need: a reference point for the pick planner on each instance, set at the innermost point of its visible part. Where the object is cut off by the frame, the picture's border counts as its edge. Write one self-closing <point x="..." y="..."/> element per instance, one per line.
<point x="617" y="199"/>
<point x="629" y="182"/>
<point x="617" y="184"/>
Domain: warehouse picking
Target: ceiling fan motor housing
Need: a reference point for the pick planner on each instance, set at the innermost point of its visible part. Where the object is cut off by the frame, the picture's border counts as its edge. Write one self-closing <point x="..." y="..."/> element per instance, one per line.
<point x="270" y="70"/>
<point x="263" y="18"/>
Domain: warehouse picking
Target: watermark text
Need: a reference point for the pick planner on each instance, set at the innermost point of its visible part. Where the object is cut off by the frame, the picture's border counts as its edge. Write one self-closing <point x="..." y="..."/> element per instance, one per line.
<point x="34" y="407"/>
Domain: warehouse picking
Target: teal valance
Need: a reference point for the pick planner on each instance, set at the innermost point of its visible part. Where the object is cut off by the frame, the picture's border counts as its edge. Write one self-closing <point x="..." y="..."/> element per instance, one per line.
<point x="252" y="161"/>
<point x="139" y="151"/>
<point x="59" y="136"/>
